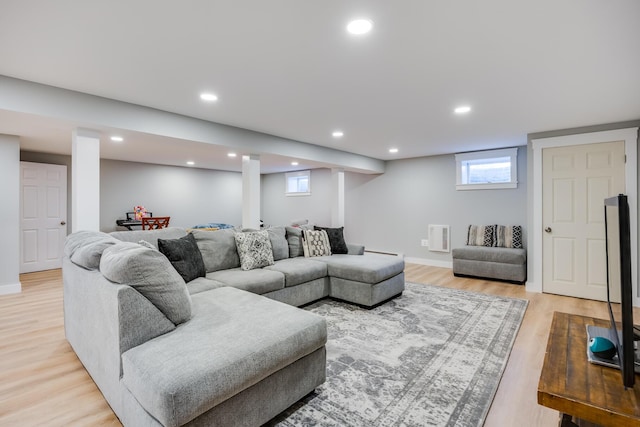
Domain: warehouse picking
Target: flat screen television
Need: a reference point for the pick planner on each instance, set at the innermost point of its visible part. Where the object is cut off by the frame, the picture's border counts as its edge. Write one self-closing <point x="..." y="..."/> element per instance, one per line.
<point x="619" y="283"/>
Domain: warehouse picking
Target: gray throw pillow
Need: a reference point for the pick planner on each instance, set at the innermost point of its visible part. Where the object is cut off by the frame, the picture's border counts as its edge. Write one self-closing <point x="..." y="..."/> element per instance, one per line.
<point x="294" y="239"/>
<point x="254" y="249"/>
<point x="336" y="239"/>
<point x="279" y="242"/>
<point x="150" y="273"/>
<point x="184" y="255"/>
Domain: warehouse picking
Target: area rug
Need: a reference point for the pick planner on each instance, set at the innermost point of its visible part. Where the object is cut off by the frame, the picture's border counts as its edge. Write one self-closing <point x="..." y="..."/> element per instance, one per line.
<point x="431" y="357"/>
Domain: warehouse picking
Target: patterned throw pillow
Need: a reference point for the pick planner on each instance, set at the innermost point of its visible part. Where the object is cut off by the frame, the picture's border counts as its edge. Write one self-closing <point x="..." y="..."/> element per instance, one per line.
<point x="508" y="236"/>
<point x="254" y="249"/>
<point x="481" y="235"/>
<point x="315" y="243"/>
<point x="336" y="239"/>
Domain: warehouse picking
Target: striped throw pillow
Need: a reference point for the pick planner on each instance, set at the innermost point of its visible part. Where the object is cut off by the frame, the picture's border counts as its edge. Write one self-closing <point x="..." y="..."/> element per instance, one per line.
<point x="481" y="235"/>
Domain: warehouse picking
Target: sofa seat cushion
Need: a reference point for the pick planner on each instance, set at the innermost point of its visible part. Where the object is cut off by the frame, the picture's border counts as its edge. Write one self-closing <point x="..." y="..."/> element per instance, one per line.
<point x="299" y="270"/>
<point x="234" y="340"/>
<point x="367" y="268"/>
<point x="258" y="281"/>
<point x="498" y="255"/>
<point x="202" y="284"/>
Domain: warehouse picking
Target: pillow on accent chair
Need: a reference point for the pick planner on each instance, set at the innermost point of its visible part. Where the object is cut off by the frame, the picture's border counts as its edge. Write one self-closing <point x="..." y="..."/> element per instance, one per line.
<point x="508" y="236"/>
<point x="315" y="243"/>
<point x="184" y="255"/>
<point x="254" y="248"/>
<point x="481" y="235"/>
<point x="336" y="239"/>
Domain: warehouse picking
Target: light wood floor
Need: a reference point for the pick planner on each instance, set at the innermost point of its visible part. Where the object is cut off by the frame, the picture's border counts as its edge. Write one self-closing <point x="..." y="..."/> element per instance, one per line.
<point x="42" y="383"/>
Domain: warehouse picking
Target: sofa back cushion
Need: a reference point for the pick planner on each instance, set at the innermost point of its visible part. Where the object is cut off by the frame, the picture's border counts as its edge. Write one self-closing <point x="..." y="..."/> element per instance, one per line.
<point x="218" y="249"/>
<point x="150" y="236"/>
<point x="150" y="273"/>
<point x="279" y="244"/>
<point x="294" y="240"/>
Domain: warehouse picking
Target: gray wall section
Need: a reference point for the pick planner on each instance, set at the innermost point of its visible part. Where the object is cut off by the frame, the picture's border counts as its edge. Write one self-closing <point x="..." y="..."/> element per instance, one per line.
<point x="189" y="196"/>
<point x="391" y="212"/>
<point x="279" y="209"/>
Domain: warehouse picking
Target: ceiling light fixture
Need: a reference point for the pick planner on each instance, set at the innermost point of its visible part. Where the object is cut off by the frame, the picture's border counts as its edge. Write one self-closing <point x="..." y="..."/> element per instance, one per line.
<point x="191" y="163"/>
<point x="294" y="163"/>
<point x="208" y="97"/>
<point x="359" y="26"/>
<point x="393" y="150"/>
<point x="462" y="109"/>
<point x="117" y="138"/>
<point x="338" y="134"/>
<point x="231" y="154"/>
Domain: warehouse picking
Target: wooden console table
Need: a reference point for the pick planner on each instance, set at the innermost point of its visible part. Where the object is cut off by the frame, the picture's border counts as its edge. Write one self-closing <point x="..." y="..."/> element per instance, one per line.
<point x="573" y="386"/>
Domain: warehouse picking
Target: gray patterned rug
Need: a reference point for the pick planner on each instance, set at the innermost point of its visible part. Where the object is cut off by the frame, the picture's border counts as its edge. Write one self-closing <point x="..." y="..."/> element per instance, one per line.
<point x="432" y="357"/>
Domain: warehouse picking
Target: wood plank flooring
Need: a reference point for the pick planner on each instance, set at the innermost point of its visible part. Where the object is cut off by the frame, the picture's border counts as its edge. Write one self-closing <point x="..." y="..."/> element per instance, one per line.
<point x="42" y="382"/>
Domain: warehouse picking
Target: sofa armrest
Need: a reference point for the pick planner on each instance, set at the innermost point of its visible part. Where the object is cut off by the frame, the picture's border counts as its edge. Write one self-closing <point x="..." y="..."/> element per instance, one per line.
<point x="355" y="249"/>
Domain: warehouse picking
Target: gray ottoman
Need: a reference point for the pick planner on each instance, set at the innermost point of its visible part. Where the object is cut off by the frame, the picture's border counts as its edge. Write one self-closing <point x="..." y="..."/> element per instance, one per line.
<point x="506" y="264"/>
<point x="367" y="279"/>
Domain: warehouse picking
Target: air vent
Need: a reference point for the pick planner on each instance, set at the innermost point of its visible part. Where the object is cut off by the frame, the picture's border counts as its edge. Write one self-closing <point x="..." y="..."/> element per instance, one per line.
<point x="438" y="238"/>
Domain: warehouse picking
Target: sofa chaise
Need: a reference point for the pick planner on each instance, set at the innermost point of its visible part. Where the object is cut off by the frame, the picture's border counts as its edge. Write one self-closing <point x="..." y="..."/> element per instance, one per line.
<point x="226" y="348"/>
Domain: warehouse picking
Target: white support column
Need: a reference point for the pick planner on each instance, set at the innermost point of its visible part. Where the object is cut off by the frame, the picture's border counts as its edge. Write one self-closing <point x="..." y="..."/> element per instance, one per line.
<point x="85" y="180"/>
<point x="251" y="191"/>
<point x="337" y="197"/>
<point x="10" y="214"/>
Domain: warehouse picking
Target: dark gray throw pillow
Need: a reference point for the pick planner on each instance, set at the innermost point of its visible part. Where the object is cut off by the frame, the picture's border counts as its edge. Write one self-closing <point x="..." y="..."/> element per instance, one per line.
<point x="184" y="255"/>
<point x="336" y="239"/>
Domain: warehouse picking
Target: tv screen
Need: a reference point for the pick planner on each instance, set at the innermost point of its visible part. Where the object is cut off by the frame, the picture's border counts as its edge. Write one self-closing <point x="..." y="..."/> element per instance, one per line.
<point x="619" y="283"/>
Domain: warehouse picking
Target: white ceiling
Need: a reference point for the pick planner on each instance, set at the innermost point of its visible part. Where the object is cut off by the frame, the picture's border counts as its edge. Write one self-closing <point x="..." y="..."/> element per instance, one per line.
<point x="289" y="68"/>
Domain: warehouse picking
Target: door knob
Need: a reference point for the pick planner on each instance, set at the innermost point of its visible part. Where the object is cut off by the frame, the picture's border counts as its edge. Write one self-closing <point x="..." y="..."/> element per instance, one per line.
<point x="63" y="223"/>
<point x="548" y="229"/>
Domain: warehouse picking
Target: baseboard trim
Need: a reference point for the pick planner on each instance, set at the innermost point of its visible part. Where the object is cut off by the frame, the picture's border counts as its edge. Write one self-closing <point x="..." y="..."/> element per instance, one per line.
<point x="11" y="288"/>
<point x="429" y="262"/>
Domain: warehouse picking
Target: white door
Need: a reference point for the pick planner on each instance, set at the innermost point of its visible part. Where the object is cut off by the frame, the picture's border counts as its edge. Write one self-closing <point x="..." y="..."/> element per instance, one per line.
<point x="576" y="180"/>
<point x="43" y="216"/>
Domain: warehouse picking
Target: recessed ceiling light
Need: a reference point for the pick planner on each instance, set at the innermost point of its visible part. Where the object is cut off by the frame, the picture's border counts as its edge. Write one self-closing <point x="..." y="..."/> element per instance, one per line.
<point x="208" y="97"/>
<point x="338" y="134"/>
<point x="231" y="154"/>
<point x="463" y="109"/>
<point x="117" y="139"/>
<point x="359" y="26"/>
<point x="294" y="163"/>
<point x="393" y="150"/>
<point x="191" y="163"/>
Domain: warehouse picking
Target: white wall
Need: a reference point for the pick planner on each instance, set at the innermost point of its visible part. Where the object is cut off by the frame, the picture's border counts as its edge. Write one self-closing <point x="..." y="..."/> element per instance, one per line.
<point x="190" y="196"/>
<point x="278" y="209"/>
<point x="10" y="214"/>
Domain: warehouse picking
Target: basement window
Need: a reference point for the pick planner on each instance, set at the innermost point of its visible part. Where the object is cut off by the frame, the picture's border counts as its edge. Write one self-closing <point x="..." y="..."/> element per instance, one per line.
<point x="482" y="170"/>
<point x="298" y="183"/>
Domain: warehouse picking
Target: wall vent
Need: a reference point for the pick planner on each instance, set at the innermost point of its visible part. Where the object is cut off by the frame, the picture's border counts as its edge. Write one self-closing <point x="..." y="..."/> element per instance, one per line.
<point x="439" y="238"/>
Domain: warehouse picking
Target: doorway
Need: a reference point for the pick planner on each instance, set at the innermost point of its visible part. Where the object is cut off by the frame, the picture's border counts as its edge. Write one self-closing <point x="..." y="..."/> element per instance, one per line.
<point x="557" y="256"/>
<point x="43" y="216"/>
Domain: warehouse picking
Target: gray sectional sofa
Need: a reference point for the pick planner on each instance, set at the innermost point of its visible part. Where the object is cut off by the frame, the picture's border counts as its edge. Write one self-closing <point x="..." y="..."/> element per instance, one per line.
<point x="228" y="348"/>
